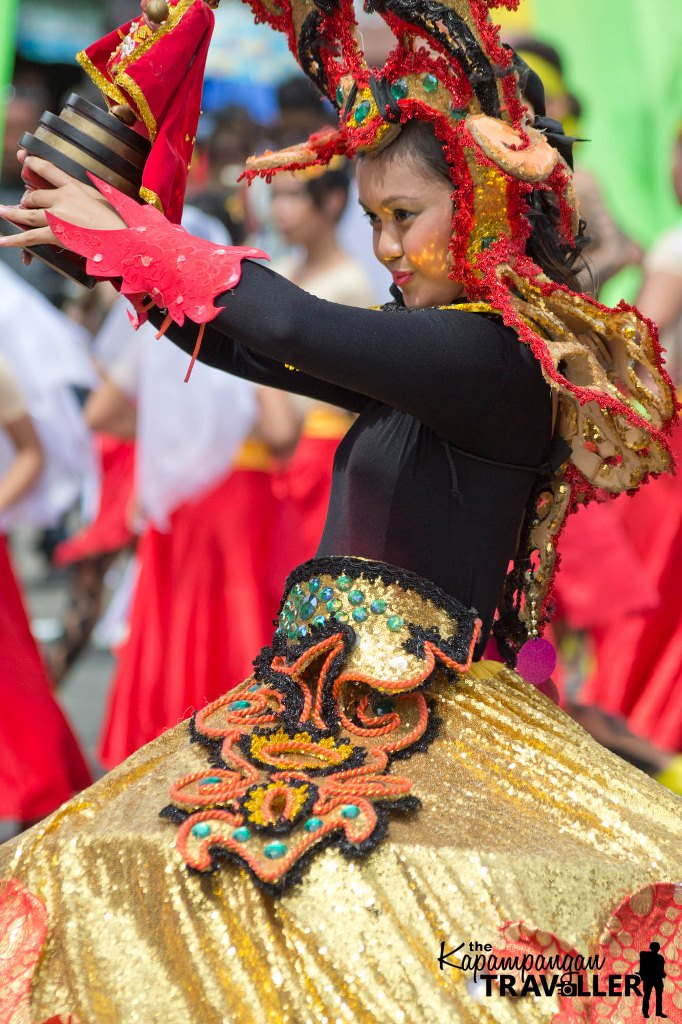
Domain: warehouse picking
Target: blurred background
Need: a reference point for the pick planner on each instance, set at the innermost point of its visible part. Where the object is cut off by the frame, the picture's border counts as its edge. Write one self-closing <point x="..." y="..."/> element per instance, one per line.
<point x="148" y="596"/>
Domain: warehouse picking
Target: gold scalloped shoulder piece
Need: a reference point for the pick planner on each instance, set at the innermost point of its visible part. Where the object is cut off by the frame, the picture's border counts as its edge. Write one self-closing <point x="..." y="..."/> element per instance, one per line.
<point x="611" y="352"/>
<point x="533" y="162"/>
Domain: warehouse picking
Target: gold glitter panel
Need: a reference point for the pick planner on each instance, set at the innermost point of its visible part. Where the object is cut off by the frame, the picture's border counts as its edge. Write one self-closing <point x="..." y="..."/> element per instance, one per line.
<point x="523" y="818"/>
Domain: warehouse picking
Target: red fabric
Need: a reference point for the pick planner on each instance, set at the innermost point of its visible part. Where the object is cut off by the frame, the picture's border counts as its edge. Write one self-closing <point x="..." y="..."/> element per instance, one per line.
<point x="109" y="531"/>
<point x="652" y="913"/>
<point x="601" y="578"/>
<point x="167" y="81"/>
<point x="41" y="764"/>
<point x="200" y="612"/>
<point x="24" y="919"/>
<point x="302" y="490"/>
<point x="639" y="659"/>
<point x="181" y="273"/>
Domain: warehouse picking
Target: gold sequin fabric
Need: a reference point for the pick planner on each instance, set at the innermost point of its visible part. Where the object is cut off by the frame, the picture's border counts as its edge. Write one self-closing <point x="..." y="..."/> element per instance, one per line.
<point x="523" y="818"/>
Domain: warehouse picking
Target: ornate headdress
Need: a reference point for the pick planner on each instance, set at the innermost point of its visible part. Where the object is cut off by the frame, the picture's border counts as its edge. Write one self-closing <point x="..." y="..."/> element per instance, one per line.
<point x="449" y="68"/>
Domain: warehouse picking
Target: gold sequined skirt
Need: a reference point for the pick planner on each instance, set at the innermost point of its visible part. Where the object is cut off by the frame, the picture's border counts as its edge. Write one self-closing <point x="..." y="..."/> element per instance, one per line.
<point x="474" y="802"/>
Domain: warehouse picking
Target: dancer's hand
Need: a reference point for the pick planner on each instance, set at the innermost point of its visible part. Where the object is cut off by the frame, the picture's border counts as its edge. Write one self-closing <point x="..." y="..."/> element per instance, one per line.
<point x="69" y="200"/>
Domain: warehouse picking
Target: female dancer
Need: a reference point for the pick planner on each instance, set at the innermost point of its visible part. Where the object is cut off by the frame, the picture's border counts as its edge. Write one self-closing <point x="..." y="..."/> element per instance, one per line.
<point x="488" y="398"/>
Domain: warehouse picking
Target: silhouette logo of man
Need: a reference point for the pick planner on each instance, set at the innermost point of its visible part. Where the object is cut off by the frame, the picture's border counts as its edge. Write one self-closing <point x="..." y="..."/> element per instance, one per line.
<point x="652" y="973"/>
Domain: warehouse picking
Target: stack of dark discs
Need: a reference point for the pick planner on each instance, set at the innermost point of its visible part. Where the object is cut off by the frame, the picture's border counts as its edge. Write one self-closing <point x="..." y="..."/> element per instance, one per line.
<point x="85" y="138"/>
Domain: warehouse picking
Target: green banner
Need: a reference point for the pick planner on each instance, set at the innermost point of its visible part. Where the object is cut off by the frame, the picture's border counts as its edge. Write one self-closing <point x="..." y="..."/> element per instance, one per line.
<point x="623" y="62"/>
<point x="8" y="21"/>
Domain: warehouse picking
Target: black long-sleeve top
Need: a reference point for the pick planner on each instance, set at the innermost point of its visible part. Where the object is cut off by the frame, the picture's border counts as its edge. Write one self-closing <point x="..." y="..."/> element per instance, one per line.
<point x="454" y="419"/>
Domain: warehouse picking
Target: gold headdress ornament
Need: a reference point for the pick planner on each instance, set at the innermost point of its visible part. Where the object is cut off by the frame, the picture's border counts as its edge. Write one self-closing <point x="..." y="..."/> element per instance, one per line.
<point x="449" y="68"/>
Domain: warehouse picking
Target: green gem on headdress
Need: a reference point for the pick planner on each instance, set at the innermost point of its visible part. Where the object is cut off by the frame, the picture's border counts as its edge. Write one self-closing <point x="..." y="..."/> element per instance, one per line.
<point x="362" y="111"/>
<point x="339" y="96"/>
<point x="430" y="83"/>
<point x="399" y="89"/>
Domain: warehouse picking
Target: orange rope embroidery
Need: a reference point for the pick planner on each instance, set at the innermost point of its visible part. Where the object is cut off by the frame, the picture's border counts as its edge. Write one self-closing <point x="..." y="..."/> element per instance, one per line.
<point x="303" y="752"/>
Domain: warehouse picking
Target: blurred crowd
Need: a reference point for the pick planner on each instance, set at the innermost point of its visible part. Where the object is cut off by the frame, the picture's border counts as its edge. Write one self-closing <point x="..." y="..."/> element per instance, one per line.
<point x="205" y="495"/>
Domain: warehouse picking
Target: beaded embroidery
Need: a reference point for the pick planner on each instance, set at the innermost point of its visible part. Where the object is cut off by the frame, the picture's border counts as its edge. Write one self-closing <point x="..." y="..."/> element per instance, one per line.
<point x="301" y="752"/>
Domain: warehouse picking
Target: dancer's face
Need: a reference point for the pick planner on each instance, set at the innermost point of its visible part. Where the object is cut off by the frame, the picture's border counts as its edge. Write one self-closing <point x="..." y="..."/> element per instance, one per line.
<point x="410" y="210"/>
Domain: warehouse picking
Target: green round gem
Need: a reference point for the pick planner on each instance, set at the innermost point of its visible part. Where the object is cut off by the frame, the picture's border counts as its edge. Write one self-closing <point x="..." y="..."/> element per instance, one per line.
<point x="399" y="89"/>
<point x="313" y="824"/>
<point x="201" y="830"/>
<point x="378" y="607"/>
<point x="360" y="614"/>
<point x="344" y="583"/>
<point x="339" y="96"/>
<point x="308" y="608"/>
<point x="212" y="780"/>
<point x="318" y="620"/>
<point x="327" y="593"/>
<point x="242" y="835"/>
<point x="292" y="632"/>
<point x="274" y="850"/>
<point x="356" y="597"/>
<point x="430" y="83"/>
<point x="315" y="585"/>
<point x="459" y="113"/>
<point x="350" y="811"/>
<point x="302" y="631"/>
<point x="288" y="612"/>
<point x="362" y="110"/>
<point x="395" y="622"/>
<point x="341" y="617"/>
<point x="238" y="705"/>
<point x="278" y="631"/>
<point x="335" y="605"/>
<point x="298" y="593"/>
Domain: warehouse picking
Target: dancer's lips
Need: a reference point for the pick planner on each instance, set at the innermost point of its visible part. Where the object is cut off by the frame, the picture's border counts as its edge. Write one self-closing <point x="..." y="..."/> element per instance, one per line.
<point x="402" y="277"/>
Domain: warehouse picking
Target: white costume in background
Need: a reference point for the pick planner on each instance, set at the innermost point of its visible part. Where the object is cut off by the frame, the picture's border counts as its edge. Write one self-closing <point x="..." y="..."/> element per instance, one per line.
<point x="187" y="433"/>
<point x="47" y="354"/>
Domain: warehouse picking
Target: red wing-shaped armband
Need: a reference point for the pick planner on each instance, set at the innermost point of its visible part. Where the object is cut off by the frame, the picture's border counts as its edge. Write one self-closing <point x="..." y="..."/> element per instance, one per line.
<point x="158" y="263"/>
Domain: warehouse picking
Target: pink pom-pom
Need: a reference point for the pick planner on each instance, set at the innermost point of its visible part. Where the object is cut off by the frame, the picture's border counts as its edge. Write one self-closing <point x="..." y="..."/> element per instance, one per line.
<point x="536" y="661"/>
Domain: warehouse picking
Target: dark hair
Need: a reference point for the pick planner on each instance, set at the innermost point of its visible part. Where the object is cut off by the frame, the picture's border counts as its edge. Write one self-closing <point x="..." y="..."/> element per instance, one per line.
<point x="337" y="180"/>
<point x="529" y="44"/>
<point x="537" y="48"/>
<point x="561" y="262"/>
<point x="297" y="92"/>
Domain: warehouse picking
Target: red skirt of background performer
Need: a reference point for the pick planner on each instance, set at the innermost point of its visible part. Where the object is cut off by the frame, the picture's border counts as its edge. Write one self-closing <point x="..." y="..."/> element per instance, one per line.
<point x="302" y="492"/>
<point x="41" y="764"/>
<point x="200" y="611"/>
<point x="109" y="531"/>
<point x="602" y="577"/>
<point x="639" y="658"/>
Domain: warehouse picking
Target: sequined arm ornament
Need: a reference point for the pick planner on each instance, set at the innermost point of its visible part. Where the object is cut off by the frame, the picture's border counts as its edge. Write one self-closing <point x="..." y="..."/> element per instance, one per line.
<point x="23" y="930"/>
<point x="652" y="914"/>
<point x="159" y="260"/>
<point x="301" y="753"/>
